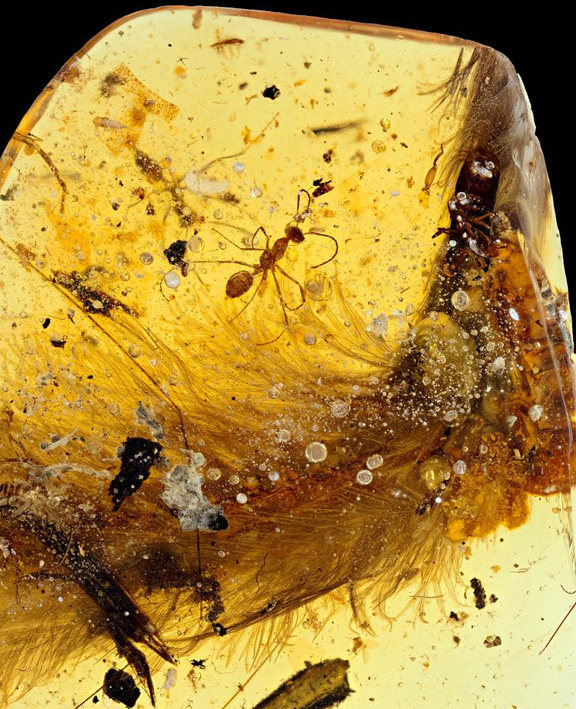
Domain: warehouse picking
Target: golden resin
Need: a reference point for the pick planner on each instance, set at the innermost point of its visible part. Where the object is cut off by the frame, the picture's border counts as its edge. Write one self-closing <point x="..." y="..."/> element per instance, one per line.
<point x="287" y="391"/>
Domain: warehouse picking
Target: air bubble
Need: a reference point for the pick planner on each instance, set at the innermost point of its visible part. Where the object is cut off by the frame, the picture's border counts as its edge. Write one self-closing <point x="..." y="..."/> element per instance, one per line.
<point x="214" y="474"/>
<point x="241" y="498"/>
<point x="460" y="300"/>
<point x="196" y="244"/>
<point x="339" y="408"/>
<point x="459" y="467"/>
<point x="274" y="476"/>
<point x="364" y="477"/>
<point x="283" y="435"/>
<point x="309" y="338"/>
<point x="172" y="279"/>
<point x="316" y="452"/>
<point x="146" y="258"/>
<point x="374" y="461"/>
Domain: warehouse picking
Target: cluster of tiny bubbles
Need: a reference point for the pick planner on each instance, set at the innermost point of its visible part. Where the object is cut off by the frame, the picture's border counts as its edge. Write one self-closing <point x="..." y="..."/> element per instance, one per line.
<point x="239" y="167"/>
<point x="146" y="258"/>
<point x="172" y="279"/>
<point x="241" y="498"/>
<point x="196" y="244"/>
<point x="339" y="408"/>
<point x="364" y="477"/>
<point x="459" y="467"/>
<point x="374" y="461"/>
<point x="274" y="476"/>
<point x="316" y="452"/>
<point x="283" y="435"/>
<point x="214" y="474"/>
<point x="460" y="300"/>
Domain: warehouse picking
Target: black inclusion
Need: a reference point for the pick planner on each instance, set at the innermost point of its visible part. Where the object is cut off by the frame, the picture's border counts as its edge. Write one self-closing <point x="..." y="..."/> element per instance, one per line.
<point x="138" y="456"/>
<point x="175" y="252"/>
<point x="120" y="686"/>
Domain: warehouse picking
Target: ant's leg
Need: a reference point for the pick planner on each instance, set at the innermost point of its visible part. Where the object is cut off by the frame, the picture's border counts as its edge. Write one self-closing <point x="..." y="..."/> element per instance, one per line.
<point x="242" y="248"/>
<point x="243" y="308"/>
<point x="302" y="291"/>
<point x="445" y="230"/>
<point x="327" y="236"/>
<point x="282" y="301"/>
<point x="240" y="263"/>
<point x="260" y="228"/>
<point x="298" y="218"/>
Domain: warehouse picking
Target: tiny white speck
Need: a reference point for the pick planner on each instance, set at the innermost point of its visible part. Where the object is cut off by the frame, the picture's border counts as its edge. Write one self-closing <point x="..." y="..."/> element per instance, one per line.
<point x="514" y="314"/>
<point x="273" y="475"/>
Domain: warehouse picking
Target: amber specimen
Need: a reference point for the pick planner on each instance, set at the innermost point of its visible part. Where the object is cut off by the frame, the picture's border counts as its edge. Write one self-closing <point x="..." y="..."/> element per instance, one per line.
<point x="285" y="352"/>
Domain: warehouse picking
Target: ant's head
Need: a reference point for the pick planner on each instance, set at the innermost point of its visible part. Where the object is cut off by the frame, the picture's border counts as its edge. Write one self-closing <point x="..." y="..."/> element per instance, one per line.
<point x="294" y="233"/>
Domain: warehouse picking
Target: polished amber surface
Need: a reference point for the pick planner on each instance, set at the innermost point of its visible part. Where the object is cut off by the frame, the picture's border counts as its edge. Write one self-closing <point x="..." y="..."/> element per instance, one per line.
<point x="286" y="386"/>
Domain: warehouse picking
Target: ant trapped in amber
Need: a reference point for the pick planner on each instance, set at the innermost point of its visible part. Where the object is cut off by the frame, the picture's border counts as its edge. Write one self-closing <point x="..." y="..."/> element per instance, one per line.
<point x="241" y="282"/>
<point x="471" y="207"/>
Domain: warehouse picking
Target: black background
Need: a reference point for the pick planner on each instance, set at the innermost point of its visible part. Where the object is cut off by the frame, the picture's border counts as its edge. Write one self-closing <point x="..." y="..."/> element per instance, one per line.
<point x="35" y="43"/>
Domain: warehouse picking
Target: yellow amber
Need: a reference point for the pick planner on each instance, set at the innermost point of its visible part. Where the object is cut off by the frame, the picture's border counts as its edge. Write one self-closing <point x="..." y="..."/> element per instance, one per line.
<point x="287" y="389"/>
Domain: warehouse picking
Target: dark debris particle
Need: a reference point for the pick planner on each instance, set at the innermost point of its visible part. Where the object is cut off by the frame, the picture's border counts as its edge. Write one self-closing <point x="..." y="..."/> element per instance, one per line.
<point x="120" y="686"/>
<point x="479" y="593"/>
<point x="493" y="598"/>
<point x="137" y="458"/>
<point x="454" y="616"/>
<point x="456" y="639"/>
<point x="271" y="92"/>
<point x="95" y="700"/>
<point x="109" y="84"/>
<point x="93" y="300"/>
<point x="148" y="166"/>
<point x="220" y="629"/>
<point x="493" y="641"/>
<point x="175" y="252"/>
<point x="58" y="340"/>
<point x="198" y="663"/>
<point x="322" y="187"/>
<point x="46" y="323"/>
